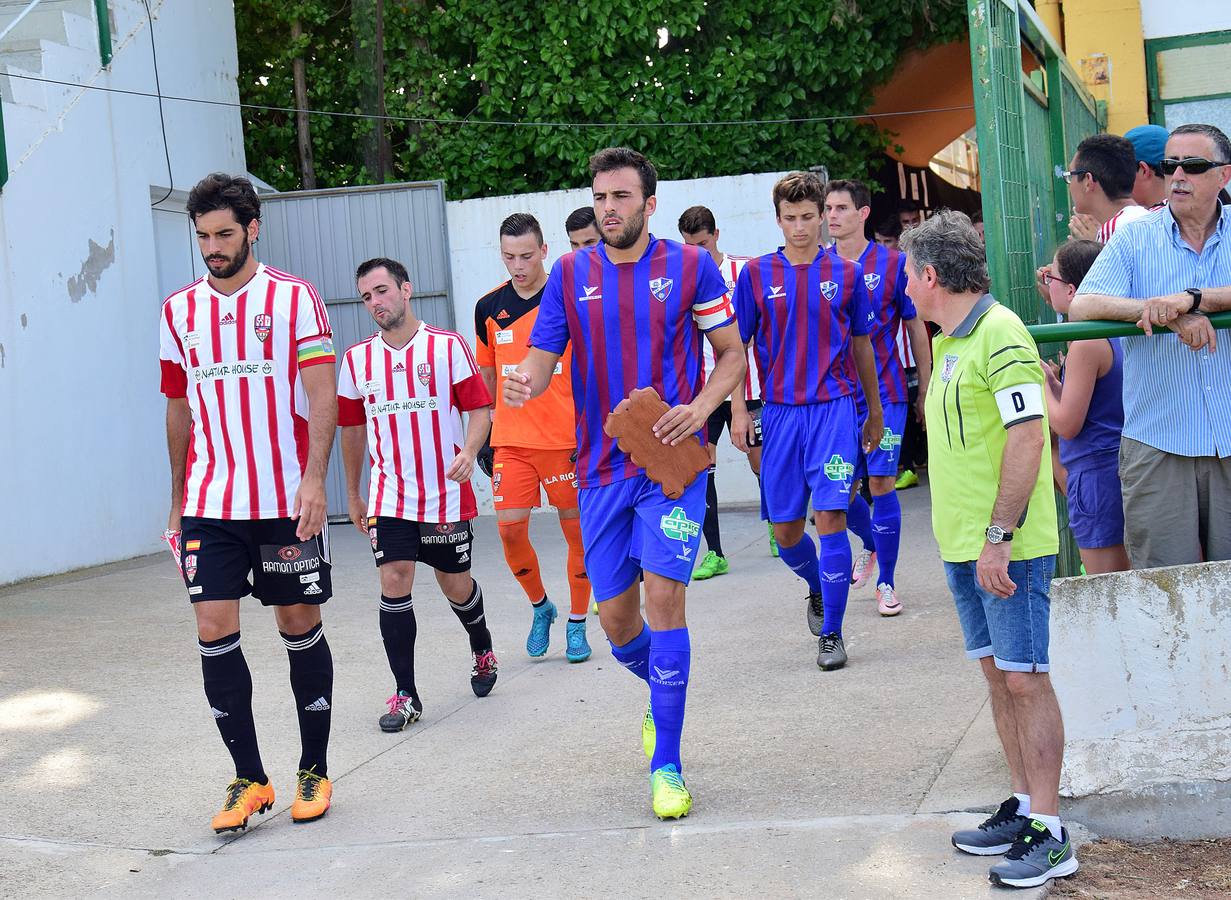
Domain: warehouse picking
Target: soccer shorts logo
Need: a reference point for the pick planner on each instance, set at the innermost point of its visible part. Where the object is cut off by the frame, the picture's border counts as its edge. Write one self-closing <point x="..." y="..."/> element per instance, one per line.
<point x="838" y="469"/>
<point x="289" y="553"/>
<point x="889" y="440"/>
<point x="190" y="566"/>
<point x="950" y="364"/>
<point x="372" y="535"/>
<point x="677" y="526"/>
<point x="661" y="288"/>
<point x="871" y="281"/>
<point x="829" y="289"/>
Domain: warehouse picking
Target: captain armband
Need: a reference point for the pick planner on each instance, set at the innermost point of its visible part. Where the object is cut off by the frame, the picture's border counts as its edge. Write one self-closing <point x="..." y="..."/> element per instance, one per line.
<point x="1020" y="403"/>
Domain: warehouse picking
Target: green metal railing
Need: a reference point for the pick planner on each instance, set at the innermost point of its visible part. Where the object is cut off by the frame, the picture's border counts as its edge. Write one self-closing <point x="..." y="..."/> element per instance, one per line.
<point x="1083" y="331"/>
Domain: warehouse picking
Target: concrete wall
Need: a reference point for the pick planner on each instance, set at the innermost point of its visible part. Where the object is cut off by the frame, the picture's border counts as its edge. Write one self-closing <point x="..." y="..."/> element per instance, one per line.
<point x="746" y="225"/>
<point x="83" y="476"/>
<point x="1168" y="18"/>
<point x="1141" y="663"/>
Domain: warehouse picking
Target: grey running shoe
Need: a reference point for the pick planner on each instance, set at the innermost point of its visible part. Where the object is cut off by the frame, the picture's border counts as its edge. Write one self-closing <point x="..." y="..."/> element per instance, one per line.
<point x="831" y="652"/>
<point x="403" y="709"/>
<point x="816" y="614"/>
<point x="994" y="836"/>
<point x="1035" y="858"/>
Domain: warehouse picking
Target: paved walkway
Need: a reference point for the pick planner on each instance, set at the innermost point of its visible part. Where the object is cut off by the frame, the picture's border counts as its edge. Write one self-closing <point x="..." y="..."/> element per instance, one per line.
<point x="807" y="783"/>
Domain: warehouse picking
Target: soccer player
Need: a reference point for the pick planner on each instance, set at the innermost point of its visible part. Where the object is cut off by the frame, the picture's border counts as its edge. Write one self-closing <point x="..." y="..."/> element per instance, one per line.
<point x="888" y="232"/>
<point x="847" y="206"/>
<point x="740" y="413"/>
<point x="403" y="392"/>
<point x="634" y="308"/>
<point x="807" y="310"/>
<point x="533" y="446"/>
<point x="582" y="228"/>
<point x="247" y="369"/>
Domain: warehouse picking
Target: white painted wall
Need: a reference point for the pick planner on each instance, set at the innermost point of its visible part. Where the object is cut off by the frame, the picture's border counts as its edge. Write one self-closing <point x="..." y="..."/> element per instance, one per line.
<point x="1139" y="663"/>
<point x="746" y="225"/>
<point x="83" y="473"/>
<point x="1169" y="18"/>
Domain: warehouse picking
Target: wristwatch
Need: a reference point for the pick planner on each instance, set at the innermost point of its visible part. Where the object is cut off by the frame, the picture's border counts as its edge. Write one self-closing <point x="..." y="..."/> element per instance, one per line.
<point x="997" y="535"/>
<point x="1195" y="293"/>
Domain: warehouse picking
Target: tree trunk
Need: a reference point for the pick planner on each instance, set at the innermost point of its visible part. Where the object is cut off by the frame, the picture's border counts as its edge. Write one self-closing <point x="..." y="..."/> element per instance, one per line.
<point x="368" y="24"/>
<point x="307" y="169"/>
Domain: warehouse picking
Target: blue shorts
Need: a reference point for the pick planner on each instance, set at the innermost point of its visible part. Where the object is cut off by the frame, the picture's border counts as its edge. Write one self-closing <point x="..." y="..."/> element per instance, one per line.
<point x="632" y="525"/>
<point x="1096" y="511"/>
<point x="883" y="460"/>
<point x="1013" y="631"/>
<point x="809" y="452"/>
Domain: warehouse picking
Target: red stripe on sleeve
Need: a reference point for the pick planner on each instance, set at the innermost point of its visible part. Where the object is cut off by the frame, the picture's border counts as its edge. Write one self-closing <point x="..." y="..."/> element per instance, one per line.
<point x="351" y="412"/>
<point x="174" y="380"/>
<point x="471" y="393"/>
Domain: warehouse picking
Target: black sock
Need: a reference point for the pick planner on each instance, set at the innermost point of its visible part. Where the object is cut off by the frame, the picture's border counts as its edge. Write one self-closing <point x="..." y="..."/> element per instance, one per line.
<point x="713" y="539"/>
<point x="228" y="688"/>
<point x="398" y="629"/>
<point x="470" y="614"/>
<point x="312" y="684"/>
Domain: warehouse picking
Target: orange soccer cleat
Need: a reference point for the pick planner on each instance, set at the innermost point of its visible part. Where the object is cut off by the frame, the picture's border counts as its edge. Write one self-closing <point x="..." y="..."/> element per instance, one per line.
<point x="312" y="795"/>
<point x="244" y="798"/>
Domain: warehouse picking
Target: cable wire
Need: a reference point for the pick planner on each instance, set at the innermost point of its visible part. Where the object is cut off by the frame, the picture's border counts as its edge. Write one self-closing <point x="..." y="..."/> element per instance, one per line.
<point x="162" y="121"/>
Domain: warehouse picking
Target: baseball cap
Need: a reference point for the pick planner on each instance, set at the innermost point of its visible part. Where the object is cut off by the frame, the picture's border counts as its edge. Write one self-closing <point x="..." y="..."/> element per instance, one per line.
<point x="1150" y="142"/>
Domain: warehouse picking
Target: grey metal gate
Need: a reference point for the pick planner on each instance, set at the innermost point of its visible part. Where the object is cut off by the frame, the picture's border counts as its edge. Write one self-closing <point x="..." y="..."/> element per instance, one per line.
<point x="323" y="235"/>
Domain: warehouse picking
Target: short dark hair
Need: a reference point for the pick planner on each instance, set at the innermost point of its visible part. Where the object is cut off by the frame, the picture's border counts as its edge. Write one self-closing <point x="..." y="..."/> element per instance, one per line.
<point x="860" y="195"/>
<point x="695" y="219"/>
<point x="891" y="227"/>
<point x="581" y="217"/>
<point x="521" y="223"/>
<point x="909" y="206"/>
<point x="1221" y="144"/>
<point x="976" y="217"/>
<point x="1111" y="160"/>
<point x="623" y="158"/>
<point x="395" y="268"/>
<point x="222" y="191"/>
<point x="798" y="187"/>
<point x="1074" y="259"/>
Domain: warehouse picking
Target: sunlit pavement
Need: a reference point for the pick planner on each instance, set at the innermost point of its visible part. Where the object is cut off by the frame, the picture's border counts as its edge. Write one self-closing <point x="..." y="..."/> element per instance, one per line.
<point x="807" y="783"/>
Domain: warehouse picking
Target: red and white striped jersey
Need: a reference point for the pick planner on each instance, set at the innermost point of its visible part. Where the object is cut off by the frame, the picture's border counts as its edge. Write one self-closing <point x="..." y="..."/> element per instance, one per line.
<point x="412" y="400"/>
<point x="237" y="360"/>
<point x="1123" y="217"/>
<point x="730" y="268"/>
<point x="905" y="355"/>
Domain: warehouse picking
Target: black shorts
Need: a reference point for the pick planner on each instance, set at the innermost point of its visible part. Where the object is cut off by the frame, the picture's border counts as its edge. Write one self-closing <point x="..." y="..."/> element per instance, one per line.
<point x="218" y="556"/>
<point x="721" y="418"/>
<point x="445" y="547"/>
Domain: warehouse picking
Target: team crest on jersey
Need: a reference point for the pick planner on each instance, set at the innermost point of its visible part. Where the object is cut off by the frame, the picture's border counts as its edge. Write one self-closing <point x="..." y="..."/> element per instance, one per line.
<point x="190" y="566"/>
<point x="950" y="364"/>
<point x="262" y="324"/>
<point x="424" y="371"/>
<point x="661" y="288"/>
<point x="871" y="281"/>
<point x="829" y="289"/>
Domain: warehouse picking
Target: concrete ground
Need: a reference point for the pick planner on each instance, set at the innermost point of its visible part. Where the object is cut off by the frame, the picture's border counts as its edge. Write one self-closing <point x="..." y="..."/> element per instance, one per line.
<point x="807" y="783"/>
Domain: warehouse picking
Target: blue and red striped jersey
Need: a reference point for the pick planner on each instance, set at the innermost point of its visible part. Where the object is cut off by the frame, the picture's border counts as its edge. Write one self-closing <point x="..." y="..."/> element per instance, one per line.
<point x="801" y="320"/>
<point x="884" y="277"/>
<point x="632" y="325"/>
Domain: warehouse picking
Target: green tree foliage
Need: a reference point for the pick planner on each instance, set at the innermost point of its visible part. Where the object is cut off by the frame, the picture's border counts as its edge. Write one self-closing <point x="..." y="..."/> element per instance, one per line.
<point x="478" y="62"/>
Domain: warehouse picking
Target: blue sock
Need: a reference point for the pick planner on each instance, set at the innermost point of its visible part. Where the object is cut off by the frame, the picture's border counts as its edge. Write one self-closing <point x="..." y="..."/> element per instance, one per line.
<point x="670" y="656"/>
<point x="835" y="579"/>
<point x="635" y="655"/>
<point x="887" y="530"/>
<point x="801" y="558"/>
<point x="859" y="520"/>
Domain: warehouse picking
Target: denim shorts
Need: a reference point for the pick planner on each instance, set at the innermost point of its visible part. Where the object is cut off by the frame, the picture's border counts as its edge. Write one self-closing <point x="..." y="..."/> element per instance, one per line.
<point x="1013" y="630"/>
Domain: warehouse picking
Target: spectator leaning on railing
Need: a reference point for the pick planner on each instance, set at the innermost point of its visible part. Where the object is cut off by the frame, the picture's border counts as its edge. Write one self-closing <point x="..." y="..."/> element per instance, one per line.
<point x="1169" y="269"/>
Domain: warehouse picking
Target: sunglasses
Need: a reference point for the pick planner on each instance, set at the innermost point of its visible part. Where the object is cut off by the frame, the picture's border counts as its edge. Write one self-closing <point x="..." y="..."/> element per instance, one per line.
<point x="1048" y="278"/>
<point x="1192" y="165"/>
<point x="1076" y="173"/>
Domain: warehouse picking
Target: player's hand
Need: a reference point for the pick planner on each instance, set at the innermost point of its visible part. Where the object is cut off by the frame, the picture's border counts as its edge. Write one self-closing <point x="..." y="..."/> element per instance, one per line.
<point x="678" y="423"/>
<point x="516" y="389"/>
<point x="1195" y="331"/>
<point x="462" y="466"/>
<point x="310" y="507"/>
<point x="873" y="431"/>
<point x="486" y="459"/>
<point x="357" y="510"/>
<point x="1163" y="311"/>
<point x="992" y="570"/>
<point x="743" y="430"/>
<point x="1083" y="227"/>
<point x="1040" y="281"/>
<point x="1052" y="372"/>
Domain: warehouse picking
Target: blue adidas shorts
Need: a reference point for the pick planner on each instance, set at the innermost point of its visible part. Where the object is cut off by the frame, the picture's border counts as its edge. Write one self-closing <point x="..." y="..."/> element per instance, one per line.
<point x="883" y="460"/>
<point x="632" y="525"/>
<point x="809" y="453"/>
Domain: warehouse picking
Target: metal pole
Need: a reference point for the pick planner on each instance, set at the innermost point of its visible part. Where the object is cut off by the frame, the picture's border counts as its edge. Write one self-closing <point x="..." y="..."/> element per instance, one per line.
<point x="1083" y="331"/>
<point x="4" y="158"/>
<point x="104" y="31"/>
<point x="21" y="15"/>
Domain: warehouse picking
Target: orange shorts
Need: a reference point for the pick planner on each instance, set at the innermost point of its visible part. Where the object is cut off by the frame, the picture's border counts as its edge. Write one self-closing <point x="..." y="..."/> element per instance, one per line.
<point x="518" y="472"/>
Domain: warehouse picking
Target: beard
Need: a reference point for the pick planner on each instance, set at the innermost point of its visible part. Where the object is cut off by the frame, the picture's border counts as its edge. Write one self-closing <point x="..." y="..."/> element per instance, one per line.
<point x="233" y="266"/>
<point x="393" y="321"/>
<point x="633" y="227"/>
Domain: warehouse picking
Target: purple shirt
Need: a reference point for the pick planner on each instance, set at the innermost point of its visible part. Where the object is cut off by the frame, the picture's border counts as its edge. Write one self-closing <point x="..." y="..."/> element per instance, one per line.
<point x="884" y="277"/>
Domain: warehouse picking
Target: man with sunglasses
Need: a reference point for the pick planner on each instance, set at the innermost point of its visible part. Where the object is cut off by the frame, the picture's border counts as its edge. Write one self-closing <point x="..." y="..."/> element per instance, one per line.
<point x="1169" y="270"/>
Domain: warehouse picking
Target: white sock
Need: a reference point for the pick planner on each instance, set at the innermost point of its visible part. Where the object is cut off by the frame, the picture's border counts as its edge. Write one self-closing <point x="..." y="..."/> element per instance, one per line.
<point x="1053" y="825"/>
<point x="1023" y="804"/>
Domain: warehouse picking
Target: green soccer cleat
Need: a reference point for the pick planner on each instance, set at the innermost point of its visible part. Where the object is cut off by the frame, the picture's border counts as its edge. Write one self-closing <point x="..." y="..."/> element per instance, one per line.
<point x="712" y="565"/>
<point x="773" y="544"/>
<point x="649" y="736"/>
<point x="907" y="479"/>
<point x="670" y="796"/>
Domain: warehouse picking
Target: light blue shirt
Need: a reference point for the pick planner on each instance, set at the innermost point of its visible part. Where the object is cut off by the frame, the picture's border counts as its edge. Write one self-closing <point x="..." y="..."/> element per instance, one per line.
<point x="1175" y="400"/>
